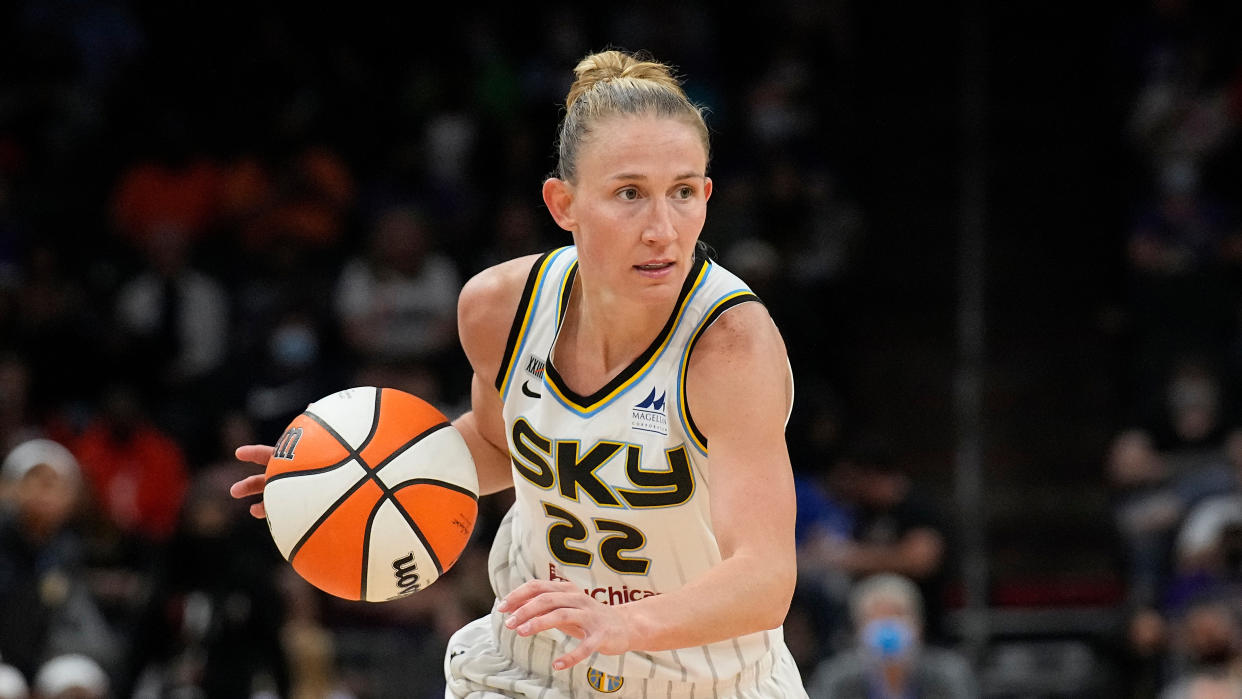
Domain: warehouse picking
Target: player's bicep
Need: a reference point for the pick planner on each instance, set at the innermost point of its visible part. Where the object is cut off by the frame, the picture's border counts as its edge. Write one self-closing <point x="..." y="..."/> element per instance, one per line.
<point x="739" y="396"/>
<point x="486" y="308"/>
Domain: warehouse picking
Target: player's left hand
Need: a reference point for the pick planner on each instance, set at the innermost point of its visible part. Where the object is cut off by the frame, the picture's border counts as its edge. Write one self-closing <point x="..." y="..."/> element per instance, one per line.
<point x="539" y="605"/>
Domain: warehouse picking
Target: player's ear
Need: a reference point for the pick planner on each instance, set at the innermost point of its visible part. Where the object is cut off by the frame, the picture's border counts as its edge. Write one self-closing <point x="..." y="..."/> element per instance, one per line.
<point x="558" y="195"/>
<point x="707" y="188"/>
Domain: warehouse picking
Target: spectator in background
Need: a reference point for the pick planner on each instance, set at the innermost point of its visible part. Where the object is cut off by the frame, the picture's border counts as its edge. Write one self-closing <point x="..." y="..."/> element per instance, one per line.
<point x="17" y="421"/>
<point x="516" y="231"/>
<point x="285" y="350"/>
<point x="1147" y="508"/>
<point x="174" y="322"/>
<point x="302" y="198"/>
<point x="45" y="604"/>
<point x="1205" y="686"/>
<point x="396" y="304"/>
<point x="1208" y="549"/>
<point x="891" y="530"/>
<point x="817" y="621"/>
<point x="175" y="316"/>
<point x="137" y="473"/>
<point x="1180" y="298"/>
<point x="1181" y="545"/>
<point x="72" y="676"/>
<point x="13" y="683"/>
<point x="213" y="622"/>
<point x="292" y="368"/>
<point x="1206" y="641"/>
<point x="51" y="311"/>
<point x="172" y="190"/>
<point x="309" y="646"/>
<point x="889" y="659"/>
<point x="1191" y="432"/>
<point x="1205" y="541"/>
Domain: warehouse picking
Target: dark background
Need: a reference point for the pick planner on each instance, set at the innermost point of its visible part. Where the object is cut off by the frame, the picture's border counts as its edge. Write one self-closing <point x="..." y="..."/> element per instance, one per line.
<point x="875" y="130"/>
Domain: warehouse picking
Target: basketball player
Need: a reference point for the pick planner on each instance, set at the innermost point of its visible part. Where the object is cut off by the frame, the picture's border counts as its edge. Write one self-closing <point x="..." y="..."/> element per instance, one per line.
<point x="635" y="395"/>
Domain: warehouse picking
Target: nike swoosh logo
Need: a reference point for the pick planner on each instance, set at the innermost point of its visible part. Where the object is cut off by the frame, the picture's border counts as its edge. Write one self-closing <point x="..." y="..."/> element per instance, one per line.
<point x="526" y="390"/>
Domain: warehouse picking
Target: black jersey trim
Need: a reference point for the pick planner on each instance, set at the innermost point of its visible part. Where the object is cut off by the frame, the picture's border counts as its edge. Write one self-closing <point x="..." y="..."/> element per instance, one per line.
<point x="588" y="403"/>
<point x="520" y="319"/>
<point x="720" y="308"/>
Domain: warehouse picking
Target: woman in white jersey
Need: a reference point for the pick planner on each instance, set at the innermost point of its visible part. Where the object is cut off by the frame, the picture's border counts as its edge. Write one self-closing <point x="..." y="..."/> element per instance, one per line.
<point x="635" y="395"/>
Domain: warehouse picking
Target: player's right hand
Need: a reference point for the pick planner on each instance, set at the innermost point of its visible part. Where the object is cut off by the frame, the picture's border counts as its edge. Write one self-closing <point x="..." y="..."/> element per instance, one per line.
<point x="253" y="485"/>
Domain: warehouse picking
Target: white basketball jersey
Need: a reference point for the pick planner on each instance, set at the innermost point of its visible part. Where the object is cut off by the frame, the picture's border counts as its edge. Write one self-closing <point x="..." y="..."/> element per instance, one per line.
<point x="612" y="489"/>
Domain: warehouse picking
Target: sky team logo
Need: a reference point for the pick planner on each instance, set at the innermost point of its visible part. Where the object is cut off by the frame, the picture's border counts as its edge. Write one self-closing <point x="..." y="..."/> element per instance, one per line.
<point x="601" y="682"/>
<point x="649" y="415"/>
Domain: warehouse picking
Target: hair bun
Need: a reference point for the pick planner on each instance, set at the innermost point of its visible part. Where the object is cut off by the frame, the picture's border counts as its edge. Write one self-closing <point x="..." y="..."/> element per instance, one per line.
<point x="612" y="65"/>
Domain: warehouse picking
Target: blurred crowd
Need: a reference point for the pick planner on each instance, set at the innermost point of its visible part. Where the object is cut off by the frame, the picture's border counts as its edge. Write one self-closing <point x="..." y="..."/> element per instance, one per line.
<point x="1174" y="466"/>
<point x="210" y="219"/>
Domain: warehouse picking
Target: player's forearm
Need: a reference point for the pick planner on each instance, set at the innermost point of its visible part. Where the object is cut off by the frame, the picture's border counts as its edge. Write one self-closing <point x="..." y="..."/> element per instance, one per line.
<point x="743" y="594"/>
<point x="490" y="462"/>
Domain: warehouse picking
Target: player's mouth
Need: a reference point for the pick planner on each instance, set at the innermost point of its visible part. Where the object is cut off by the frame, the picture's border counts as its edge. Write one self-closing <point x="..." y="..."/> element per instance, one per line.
<point x="654" y="266"/>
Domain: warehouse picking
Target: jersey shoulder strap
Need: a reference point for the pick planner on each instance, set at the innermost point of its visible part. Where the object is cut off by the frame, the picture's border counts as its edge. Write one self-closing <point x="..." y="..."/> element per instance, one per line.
<point x="544" y="296"/>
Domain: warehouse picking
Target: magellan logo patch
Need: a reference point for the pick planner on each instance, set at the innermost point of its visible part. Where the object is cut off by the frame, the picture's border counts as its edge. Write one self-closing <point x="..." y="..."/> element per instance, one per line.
<point x="602" y="682"/>
<point x="649" y="416"/>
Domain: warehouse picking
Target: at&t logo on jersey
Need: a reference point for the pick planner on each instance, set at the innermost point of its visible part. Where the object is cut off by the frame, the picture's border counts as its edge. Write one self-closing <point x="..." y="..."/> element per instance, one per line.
<point x="649" y="416"/>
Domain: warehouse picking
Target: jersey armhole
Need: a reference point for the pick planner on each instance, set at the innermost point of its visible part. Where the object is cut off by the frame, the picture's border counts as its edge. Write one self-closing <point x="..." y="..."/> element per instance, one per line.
<point x="521" y="319"/>
<point x="729" y="301"/>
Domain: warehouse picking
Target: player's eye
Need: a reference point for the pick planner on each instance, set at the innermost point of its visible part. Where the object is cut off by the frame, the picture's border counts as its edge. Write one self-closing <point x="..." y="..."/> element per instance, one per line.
<point x="628" y="193"/>
<point x="685" y="192"/>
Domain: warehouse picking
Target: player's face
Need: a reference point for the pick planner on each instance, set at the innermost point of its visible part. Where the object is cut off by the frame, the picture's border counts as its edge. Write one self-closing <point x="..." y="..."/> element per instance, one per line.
<point x="639" y="204"/>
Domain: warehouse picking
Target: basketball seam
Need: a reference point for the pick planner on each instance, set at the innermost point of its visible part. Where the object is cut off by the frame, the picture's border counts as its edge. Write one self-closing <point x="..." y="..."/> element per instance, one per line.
<point x="386" y="494"/>
<point x="366" y="548"/>
<point x="435" y="558"/>
<point x="309" y="471"/>
<point x="324" y="516"/>
<point x="375" y="419"/>
<point x="405" y="447"/>
<point x="389" y="494"/>
<point x="335" y="435"/>
<point x="436" y="481"/>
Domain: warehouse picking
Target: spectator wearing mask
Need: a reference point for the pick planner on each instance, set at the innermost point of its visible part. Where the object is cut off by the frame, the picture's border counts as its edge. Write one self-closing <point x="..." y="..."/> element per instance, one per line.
<point x="890" y="659"/>
<point x="891" y="530"/>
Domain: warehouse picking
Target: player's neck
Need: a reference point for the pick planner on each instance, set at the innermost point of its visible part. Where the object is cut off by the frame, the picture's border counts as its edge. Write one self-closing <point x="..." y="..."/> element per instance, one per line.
<point x="602" y="334"/>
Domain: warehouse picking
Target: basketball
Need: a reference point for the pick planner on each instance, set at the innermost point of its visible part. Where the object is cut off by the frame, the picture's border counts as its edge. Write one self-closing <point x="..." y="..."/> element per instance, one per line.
<point x="371" y="494"/>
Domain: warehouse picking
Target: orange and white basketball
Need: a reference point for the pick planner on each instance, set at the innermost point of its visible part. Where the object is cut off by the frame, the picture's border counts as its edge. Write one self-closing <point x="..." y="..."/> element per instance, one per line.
<point x="371" y="494"/>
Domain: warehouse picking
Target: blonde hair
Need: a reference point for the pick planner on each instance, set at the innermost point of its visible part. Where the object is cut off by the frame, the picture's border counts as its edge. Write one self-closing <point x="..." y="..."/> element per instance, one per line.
<point x="612" y="83"/>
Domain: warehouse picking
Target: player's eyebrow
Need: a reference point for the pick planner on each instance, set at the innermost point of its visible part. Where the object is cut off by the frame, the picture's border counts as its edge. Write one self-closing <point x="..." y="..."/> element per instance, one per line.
<point x="636" y="176"/>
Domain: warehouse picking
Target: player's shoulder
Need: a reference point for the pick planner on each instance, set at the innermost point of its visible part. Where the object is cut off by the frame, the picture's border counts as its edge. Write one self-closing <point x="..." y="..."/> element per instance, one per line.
<point x="487" y="304"/>
<point x="501" y="282"/>
<point x="744" y="329"/>
<point x="740" y="354"/>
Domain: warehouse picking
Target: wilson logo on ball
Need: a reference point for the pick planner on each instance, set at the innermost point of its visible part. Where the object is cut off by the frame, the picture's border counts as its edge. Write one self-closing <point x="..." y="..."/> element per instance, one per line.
<point x="288" y="442"/>
<point x="406" y="572"/>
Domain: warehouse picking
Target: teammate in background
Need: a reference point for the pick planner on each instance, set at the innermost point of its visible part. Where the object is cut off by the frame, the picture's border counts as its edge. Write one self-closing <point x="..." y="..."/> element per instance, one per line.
<point x="635" y="395"/>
